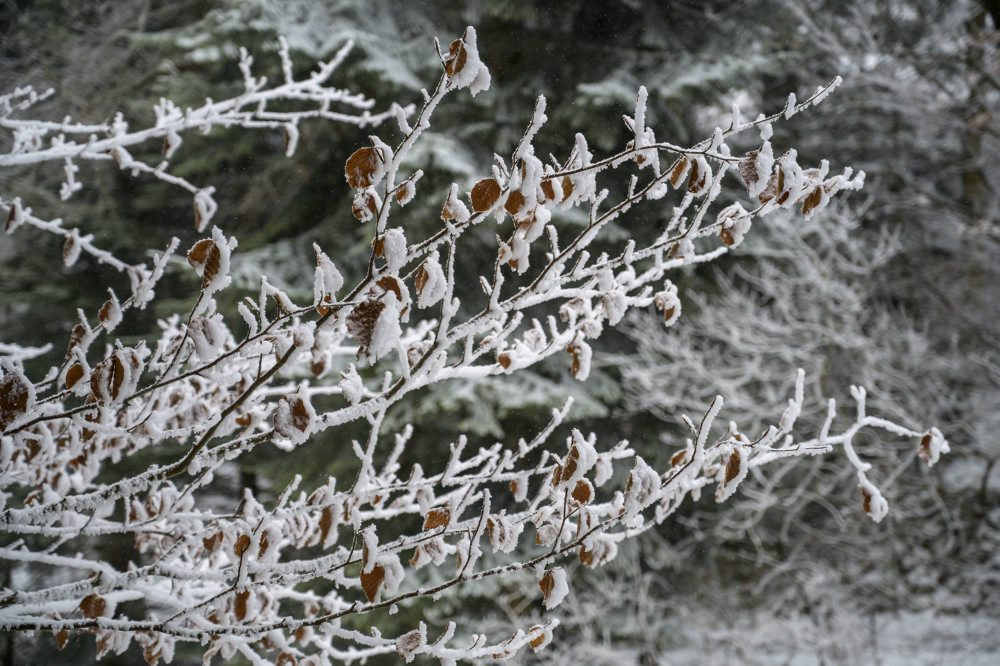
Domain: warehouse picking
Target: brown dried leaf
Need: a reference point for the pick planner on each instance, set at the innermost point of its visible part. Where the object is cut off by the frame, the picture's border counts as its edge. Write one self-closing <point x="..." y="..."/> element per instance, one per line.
<point x="678" y="457"/>
<point x="361" y="322"/>
<point x="438" y="517"/>
<point x="575" y="365"/>
<point x="14" y="394"/>
<point x="539" y="639"/>
<point x="546" y="584"/>
<point x="204" y="256"/>
<point x="212" y="543"/>
<point x="325" y="523"/>
<point x="73" y="375"/>
<point x="241" y="545"/>
<point x="358" y="209"/>
<point x="678" y="172"/>
<point x="93" y="606"/>
<point x="504" y="359"/>
<point x="390" y="283"/>
<point x="454" y="62"/>
<point x="62" y="637"/>
<point x="240" y="604"/>
<point x="812" y="200"/>
<point x="748" y="168"/>
<point x="485" y="194"/>
<point x="732" y="466"/>
<point x="770" y="190"/>
<point x="727" y="238"/>
<point x="567" y="186"/>
<point x="514" y="202"/>
<point x="583" y="492"/>
<point x="371" y="582"/>
<point x="866" y="501"/>
<point x="361" y="167"/>
<point x="408" y="643"/>
<point x="286" y="659"/>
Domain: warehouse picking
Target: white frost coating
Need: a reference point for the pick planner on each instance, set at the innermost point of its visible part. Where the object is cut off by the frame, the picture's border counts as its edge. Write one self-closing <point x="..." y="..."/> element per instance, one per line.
<point x="205" y="207"/>
<point x="371" y="552"/>
<point x="386" y="333"/>
<point x="351" y="385"/>
<point x="473" y="74"/>
<point x="221" y="279"/>
<point x="582" y="357"/>
<point x="735" y="461"/>
<point x="406" y="192"/>
<point x="932" y="445"/>
<point x="764" y="165"/>
<point x="538" y="119"/>
<point x="641" y="489"/>
<point x="111" y="314"/>
<point x="72" y="246"/>
<point x="454" y="209"/>
<point x="580" y="459"/>
<point x="669" y="303"/>
<point x="295" y="417"/>
<point x="503" y="533"/>
<point x="291" y="138"/>
<point x="394" y="250"/>
<point x="435" y="284"/>
<point x="875" y="505"/>
<point x="735" y="222"/>
<point x="327" y="280"/>
<point x="555" y="580"/>
<point x="209" y="336"/>
<point x="790" y="106"/>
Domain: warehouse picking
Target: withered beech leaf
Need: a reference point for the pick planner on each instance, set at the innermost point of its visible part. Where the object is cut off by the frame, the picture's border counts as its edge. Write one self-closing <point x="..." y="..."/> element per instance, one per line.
<point x="583" y="492"/>
<point x="241" y="545"/>
<point x="325" y="523"/>
<point x="454" y="62"/>
<point x="732" y="466"/>
<point x="371" y="582"/>
<point x="408" y="643"/>
<point x="748" y="168"/>
<point x="866" y="501"/>
<point x="514" y="202"/>
<point x="240" y="604"/>
<point x="546" y="584"/>
<point x="727" y="237"/>
<point x="390" y="283"/>
<point x="212" y="542"/>
<point x="286" y="659"/>
<point x="361" y="167"/>
<point x="678" y="458"/>
<point x="437" y="517"/>
<point x="300" y="415"/>
<point x="769" y="190"/>
<point x="204" y="257"/>
<point x="485" y="194"/>
<point x="504" y="359"/>
<point x="62" y="637"/>
<point x="677" y="173"/>
<point x="93" y="605"/>
<point x="361" y="322"/>
<point x="14" y="395"/>
<point x="812" y="200"/>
